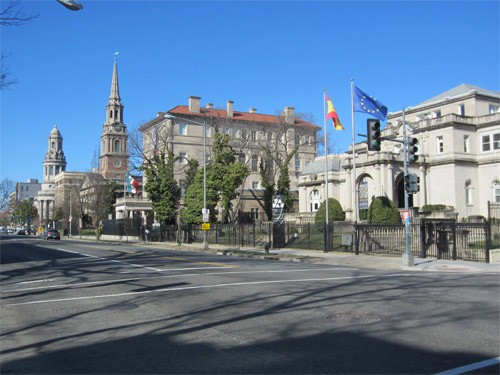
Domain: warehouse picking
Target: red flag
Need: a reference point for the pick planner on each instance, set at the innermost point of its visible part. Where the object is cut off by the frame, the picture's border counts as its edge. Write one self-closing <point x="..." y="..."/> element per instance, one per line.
<point x="332" y="113"/>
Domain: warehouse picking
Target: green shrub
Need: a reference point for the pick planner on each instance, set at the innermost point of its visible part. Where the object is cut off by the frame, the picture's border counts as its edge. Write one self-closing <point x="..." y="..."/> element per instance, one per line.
<point x="433" y="207"/>
<point x="383" y="211"/>
<point x="335" y="212"/>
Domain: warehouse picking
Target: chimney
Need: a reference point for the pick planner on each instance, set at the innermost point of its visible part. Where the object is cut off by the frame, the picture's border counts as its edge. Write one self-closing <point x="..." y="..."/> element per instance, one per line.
<point x="230" y="110"/>
<point x="194" y="104"/>
<point x="252" y="110"/>
<point x="289" y="115"/>
<point x="209" y="106"/>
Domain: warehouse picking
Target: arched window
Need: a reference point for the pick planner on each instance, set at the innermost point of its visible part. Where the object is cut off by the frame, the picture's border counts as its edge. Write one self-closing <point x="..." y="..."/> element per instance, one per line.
<point x="53" y="145"/>
<point x="117" y="147"/>
<point x="468" y="192"/>
<point x="314" y="200"/>
<point x="495" y="187"/>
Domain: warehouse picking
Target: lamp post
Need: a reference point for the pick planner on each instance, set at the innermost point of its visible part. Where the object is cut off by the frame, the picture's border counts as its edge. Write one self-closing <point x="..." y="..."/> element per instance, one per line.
<point x="70" y="218"/>
<point x="204" y="212"/>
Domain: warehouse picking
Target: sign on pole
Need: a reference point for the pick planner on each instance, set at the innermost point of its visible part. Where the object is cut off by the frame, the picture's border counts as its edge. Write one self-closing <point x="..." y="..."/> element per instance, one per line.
<point x="278" y="222"/>
<point x="206" y="215"/>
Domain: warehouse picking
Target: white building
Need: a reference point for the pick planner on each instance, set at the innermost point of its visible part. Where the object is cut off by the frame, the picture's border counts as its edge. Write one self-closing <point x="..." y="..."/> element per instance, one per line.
<point x="459" y="158"/>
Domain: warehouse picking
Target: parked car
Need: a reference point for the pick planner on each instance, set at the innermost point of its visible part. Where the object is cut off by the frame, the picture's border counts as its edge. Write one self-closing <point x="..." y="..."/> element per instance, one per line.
<point x="21" y="232"/>
<point x="52" y="234"/>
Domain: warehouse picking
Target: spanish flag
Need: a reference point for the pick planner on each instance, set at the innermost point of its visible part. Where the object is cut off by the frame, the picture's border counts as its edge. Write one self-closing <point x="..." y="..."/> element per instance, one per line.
<point x="332" y="113"/>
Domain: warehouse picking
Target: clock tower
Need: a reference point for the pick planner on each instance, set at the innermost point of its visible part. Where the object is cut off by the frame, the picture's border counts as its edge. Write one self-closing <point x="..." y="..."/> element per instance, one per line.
<point x="113" y="159"/>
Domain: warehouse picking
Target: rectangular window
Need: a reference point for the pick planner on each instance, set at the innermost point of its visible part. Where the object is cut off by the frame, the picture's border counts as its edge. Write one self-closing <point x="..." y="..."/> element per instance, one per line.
<point x="440" y="144"/>
<point x="244" y="134"/>
<point x="436" y="114"/>
<point x="255" y="185"/>
<point x="468" y="195"/>
<point x="496" y="141"/>
<point x="182" y="129"/>
<point x="297" y="164"/>
<point x="486" y="143"/>
<point x="254" y="213"/>
<point x="297" y="139"/>
<point x="494" y="109"/>
<point x="461" y="110"/>
<point x="253" y="135"/>
<point x="255" y="163"/>
<point x="466" y="144"/>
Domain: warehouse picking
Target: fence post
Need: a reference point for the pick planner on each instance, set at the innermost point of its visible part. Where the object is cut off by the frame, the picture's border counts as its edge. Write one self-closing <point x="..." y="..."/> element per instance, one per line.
<point x="356" y="243"/>
<point x="253" y="234"/>
<point x="487" y="231"/>
<point x="454" y="241"/>
<point x="423" y="252"/>
<point x="309" y="235"/>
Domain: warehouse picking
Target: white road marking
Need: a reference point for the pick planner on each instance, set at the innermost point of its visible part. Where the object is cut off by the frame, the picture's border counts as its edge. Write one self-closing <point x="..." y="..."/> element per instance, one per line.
<point x="245" y="283"/>
<point x="36" y="281"/>
<point x="110" y="260"/>
<point x="471" y="367"/>
<point x="77" y="285"/>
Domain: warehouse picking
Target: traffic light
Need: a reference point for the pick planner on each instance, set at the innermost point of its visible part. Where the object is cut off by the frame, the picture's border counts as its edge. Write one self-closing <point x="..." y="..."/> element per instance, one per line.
<point x="373" y="132"/>
<point x="412" y="149"/>
<point x="411" y="183"/>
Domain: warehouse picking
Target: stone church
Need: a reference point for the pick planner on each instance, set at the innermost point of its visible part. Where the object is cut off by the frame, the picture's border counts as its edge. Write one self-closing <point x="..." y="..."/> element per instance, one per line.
<point x="59" y="185"/>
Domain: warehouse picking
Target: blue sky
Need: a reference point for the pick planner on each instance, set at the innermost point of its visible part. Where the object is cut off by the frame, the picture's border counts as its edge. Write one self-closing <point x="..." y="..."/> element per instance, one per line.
<point x="262" y="54"/>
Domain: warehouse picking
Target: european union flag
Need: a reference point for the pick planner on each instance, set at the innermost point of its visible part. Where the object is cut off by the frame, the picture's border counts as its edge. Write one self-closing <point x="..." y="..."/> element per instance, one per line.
<point x="365" y="103"/>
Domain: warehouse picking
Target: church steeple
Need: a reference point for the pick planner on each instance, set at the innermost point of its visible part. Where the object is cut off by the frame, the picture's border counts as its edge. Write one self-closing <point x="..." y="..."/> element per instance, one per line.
<point x="114" y="108"/>
<point x="55" y="161"/>
<point x="113" y="159"/>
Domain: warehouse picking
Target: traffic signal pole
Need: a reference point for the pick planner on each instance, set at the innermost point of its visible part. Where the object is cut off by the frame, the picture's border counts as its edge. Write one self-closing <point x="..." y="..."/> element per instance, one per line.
<point x="407" y="256"/>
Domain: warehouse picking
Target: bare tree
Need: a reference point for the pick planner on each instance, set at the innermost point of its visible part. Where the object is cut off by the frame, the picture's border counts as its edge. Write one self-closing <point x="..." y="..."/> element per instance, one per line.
<point x="11" y="15"/>
<point x="279" y="144"/>
<point x="7" y="187"/>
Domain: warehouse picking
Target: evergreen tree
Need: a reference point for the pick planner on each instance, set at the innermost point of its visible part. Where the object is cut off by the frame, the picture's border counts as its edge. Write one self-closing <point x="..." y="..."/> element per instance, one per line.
<point x="335" y="212"/>
<point x="161" y="186"/>
<point x="224" y="176"/>
<point x="383" y="211"/>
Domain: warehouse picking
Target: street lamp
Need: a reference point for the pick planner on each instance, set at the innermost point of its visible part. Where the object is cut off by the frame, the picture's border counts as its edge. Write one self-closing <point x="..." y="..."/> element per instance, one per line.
<point x="204" y="211"/>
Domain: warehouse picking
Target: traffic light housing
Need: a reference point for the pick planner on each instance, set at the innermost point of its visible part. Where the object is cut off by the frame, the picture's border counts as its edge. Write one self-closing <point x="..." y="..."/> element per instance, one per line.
<point x="412" y="183"/>
<point x="373" y="133"/>
<point x="412" y="149"/>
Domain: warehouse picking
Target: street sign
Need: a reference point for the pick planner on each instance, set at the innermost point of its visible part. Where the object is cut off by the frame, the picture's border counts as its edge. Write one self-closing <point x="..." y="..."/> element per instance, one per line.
<point x="206" y="214"/>
<point x="205" y="226"/>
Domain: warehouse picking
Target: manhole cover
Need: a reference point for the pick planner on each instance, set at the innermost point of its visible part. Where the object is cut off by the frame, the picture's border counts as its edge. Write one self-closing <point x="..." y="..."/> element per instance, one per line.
<point x="354" y="318"/>
<point x="123" y="306"/>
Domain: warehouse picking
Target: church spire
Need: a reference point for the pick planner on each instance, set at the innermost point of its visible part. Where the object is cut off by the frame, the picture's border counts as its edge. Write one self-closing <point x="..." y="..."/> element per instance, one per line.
<point x="115" y="92"/>
<point x="114" y="109"/>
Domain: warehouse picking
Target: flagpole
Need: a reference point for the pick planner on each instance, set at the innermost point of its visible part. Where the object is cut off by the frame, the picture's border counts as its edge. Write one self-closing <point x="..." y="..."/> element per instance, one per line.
<point x="326" y="234"/>
<point x="326" y="154"/>
<point x="354" y="199"/>
<point x="124" y="195"/>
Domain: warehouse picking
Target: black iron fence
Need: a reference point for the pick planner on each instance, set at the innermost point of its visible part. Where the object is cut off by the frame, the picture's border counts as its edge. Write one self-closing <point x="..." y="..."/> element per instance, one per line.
<point x="494" y="223"/>
<point x="435" y="238"/>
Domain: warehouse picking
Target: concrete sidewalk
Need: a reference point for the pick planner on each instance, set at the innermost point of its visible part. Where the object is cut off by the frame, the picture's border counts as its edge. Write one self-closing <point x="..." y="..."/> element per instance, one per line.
<point x="387" y="262"/>
<point x="379" y="262"/>
<point x="364" y="261"/>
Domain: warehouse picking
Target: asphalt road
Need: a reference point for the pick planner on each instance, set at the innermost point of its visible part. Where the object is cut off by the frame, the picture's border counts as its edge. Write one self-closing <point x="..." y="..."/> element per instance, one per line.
<point x="71" y="307"/>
